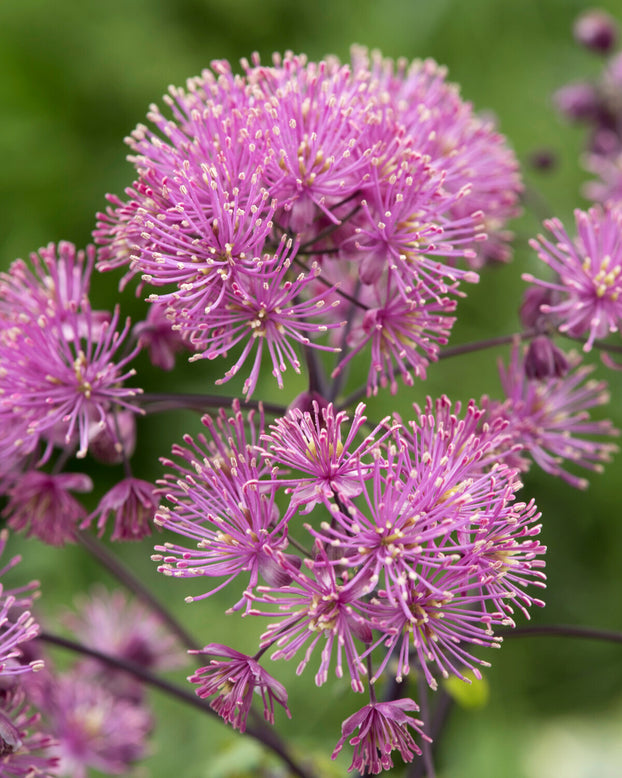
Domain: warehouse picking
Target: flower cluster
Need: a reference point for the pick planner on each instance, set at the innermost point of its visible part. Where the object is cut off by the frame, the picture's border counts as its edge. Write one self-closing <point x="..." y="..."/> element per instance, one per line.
<point x="416" y="546"/>
<point x="316" y="216"/>
<point x="270" y="208"/>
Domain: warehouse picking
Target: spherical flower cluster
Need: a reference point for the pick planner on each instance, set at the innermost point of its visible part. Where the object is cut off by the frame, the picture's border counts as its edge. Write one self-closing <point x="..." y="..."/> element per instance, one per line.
<point x="274" y="206"/>
<point x="416" y="547"/>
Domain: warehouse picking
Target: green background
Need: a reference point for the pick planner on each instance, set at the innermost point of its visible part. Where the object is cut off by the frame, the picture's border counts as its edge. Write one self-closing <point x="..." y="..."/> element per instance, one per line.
<point x="76" y="77"/>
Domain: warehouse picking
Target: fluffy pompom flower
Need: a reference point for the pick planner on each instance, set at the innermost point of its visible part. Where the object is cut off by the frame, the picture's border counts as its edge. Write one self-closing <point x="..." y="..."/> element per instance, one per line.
<point x="268" y="311"/>
<point x="382" y="728"/>
<point x="235" y="677"/>
<point x="24" y="752"/>
<point x="589" y="273"/>
<point x="548" y="419"/>
<point x="218" y="502"/>
<point x="40" y="504"/>
<point x="312" y="444"/>
<point x="132" y="504"/>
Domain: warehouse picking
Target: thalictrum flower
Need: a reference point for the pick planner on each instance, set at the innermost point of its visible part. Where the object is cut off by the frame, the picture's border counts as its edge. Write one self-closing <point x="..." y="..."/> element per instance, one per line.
<point x="234" y="678"/>
<point x="40" y="504"/>
<point x="382" y="728"/>
<point x="132" y="504"/>
<point x="313" y="444"/>
<point x="549" y="419"/>
<point x="588" y="273"/>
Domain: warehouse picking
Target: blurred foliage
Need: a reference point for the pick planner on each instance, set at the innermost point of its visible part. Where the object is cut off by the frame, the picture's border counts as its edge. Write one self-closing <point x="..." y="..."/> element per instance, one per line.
<point x="77" y="76"/>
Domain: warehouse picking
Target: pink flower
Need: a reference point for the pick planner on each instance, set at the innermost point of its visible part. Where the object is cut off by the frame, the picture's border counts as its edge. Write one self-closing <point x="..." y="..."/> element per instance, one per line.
<point x="40" y="504"/>
<point x="235" y="677"/>
<point x="24" y="752"/>
<point x="312" y="444"/>
<point x="589" y="273"/>
<point x="132" y="504"/>
<point x="549" y="419"/>
<point x="382" y="728"/>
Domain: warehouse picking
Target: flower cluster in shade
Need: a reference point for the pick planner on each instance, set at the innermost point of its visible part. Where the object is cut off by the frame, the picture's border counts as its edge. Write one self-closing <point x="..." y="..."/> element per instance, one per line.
<point x="271" y="207"/>
<point x="404" y="547"/>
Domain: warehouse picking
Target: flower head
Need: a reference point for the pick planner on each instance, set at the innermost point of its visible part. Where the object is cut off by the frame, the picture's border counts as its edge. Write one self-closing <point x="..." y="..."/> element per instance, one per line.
<point x="41" y="504"/>
<point x="382" y="728"/>
<point x="589" y="273"/>
<point x="234" y="678"/>
<point x="132" y="504"/>
<point x="549" y="419"/>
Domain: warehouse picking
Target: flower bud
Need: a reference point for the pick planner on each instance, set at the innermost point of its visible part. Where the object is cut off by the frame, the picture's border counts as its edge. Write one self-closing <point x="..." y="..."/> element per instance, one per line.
<point x="544" y="359"/>
<point x="596" y="30"/>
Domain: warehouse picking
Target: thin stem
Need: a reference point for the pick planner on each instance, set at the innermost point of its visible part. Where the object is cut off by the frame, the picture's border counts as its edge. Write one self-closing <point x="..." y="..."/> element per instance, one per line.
<point x="563" y="631"/>
<point x="481" y="345"/>
<point x="261" y="733"/>
<point x="131" y="582"/>
<point x="157" y="402"/>
<point x="426" y="745"/>
<point x="440" y="716"/>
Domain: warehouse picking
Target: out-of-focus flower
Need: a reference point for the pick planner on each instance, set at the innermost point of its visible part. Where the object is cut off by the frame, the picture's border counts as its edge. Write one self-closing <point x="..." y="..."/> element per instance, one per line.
<point x="93" y="727"/>
<point x="25" y="750"/>
<point x="382" y="728"/>
<point x="544" y="360"/>
<point x="596" y="30"/>
<point x="114" y="625"/>
<point x="157" y="335"/>
<point x="549" y="419"/>
<point x="40" y="504"/>
<point x="235" y="678"/>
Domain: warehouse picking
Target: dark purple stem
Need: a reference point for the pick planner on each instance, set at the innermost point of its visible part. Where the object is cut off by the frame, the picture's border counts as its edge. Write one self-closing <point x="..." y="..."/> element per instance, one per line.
<point x="563" y="631"/>
<point x="167" y="401"/>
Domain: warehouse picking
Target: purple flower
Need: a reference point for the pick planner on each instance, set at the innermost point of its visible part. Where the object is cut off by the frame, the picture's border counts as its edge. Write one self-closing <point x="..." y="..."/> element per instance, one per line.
<point x="382" y="728"/>
<point x="235" y="677"/>
<point x="324" y="609"/>
<point x="132" y="504"/>
<point x="24" y="752"/>
<point x="549" y="419"/>
<point x="312" y="444"/>
<point x="596" y="30"/>
<point x="121" y="627"/>
<point x="64" y="373"/>
<point x="40" y="504"/>
<point x="17" y="626"/>
<point x="265" y="311"/>
<point x="589" y="273"/>
<point x="218" y="502"/>
<point x="157" y="335"/>
<point x="404" y="337"/>
<point x="93" y="727"/>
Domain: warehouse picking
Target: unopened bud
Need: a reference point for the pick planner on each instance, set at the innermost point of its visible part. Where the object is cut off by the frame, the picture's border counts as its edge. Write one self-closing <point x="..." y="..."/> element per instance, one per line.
<point x="544" y="359"/>
<point x="596" y="30"/>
